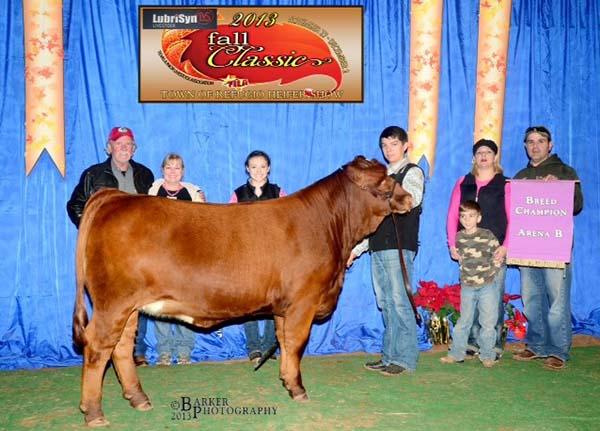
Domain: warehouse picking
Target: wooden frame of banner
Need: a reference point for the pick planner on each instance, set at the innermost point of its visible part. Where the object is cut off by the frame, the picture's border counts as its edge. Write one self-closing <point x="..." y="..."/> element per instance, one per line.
<point x="536" y="263"/>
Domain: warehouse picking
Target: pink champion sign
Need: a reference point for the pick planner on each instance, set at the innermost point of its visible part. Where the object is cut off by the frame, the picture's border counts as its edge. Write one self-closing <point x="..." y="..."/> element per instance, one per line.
<point x="541" y="222"/>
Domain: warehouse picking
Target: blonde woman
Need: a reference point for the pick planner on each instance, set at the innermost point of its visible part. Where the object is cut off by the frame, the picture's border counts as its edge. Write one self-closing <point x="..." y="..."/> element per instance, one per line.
<point x="173" y="338"/>
<point x="487" y="186"/>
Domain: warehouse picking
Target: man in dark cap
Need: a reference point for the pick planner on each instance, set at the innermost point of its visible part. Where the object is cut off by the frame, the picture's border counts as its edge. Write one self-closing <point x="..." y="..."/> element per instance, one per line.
<point x="546" y="292"/>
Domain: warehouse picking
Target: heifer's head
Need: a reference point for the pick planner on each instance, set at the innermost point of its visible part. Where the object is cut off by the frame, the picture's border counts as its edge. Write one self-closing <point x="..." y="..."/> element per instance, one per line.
<point x="371" y="176"/>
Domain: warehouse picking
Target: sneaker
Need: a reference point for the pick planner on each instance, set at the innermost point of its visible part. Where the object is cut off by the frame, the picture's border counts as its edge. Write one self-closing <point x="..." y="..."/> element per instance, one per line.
<point x="554" y="363"/>
<point x="525" y="355"/>
<point x="140" y="361"/>
<point x="163" y="361"/>
<point x="392" y="370"/>
<point x="183" y="360"/>
<point x="499" y="352"/>
<point x="375" y="365"/>
<point x="255" y="356"/>
<point x="471" y="354"/>
<point x="488" y="363"/>
<point x="450" y="360"/>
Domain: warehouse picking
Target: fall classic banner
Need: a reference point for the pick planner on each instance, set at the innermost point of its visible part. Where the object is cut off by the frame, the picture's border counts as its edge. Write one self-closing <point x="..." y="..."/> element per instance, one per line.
<point x="251" y="54"/>
<point x="541" y="223"/>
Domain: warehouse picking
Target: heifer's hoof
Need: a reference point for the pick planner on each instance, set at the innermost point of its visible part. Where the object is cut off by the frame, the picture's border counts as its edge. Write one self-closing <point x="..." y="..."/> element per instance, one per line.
<point x="301" y="397"/>
<point x="144" y="407"/>
<point x="139" y="401"/>
<point x="94" y="417"/>
<point x="97" y="422"/>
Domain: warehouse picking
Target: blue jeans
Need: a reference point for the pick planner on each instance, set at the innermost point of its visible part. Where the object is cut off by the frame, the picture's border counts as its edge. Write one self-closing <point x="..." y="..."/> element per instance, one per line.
<point x="400" y="334"/>
<point x="499" y="282"/>
<point x="484" y="300"/>
<point x="254" y="341"/>
<point x="179" y="342"/>
<point x="140" y="344"/>
<point x="546" y="294"/>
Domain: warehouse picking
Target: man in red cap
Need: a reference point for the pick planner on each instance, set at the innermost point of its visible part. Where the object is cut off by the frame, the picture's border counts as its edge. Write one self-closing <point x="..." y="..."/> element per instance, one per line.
<point x="117" y="172"/>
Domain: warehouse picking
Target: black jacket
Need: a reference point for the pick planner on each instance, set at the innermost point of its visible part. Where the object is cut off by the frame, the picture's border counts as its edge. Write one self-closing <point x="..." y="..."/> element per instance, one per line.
<point x="100" y="176"/>
<point x="384" y="238"/>
<point x="491" y="200"/>
<point x="246" y="193"/>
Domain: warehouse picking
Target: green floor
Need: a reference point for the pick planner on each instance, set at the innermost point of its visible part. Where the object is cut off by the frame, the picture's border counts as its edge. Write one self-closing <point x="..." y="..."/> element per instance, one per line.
<point x="511" y="396"/>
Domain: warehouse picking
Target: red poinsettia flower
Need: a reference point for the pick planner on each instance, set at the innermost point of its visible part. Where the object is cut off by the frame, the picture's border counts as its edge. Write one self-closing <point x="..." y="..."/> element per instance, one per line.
<point x="444" y="301"/>
<point x="453" y="295"/>
<point x="517" y="324"/>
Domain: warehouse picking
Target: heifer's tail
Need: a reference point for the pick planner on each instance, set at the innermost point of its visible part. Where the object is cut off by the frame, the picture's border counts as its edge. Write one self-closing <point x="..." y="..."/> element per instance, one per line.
<point x="80" y="317"/>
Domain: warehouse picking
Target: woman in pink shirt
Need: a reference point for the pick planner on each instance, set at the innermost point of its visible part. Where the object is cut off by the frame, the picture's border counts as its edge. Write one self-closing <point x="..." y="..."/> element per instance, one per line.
<point x="487" y="186"/>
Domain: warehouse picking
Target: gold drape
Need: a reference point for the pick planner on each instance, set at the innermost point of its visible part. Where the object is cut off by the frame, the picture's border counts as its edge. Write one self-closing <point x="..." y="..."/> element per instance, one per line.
<point x="44" y="108"/>
<point x="494" y="27"/>
<point x="425" y="48"/>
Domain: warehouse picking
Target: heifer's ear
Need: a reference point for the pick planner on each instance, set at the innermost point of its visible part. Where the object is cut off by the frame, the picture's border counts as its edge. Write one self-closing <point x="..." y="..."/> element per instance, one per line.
<point x="356" y="174"/>
<point x="358" y="160"/>
<point x="365" y="173"/>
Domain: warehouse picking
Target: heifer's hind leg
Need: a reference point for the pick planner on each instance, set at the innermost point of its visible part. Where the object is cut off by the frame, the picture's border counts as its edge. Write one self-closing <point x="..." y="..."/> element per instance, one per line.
<point x="125" y="367"/>
<point x="296" y="327"/>
<point x="279" y="325"/>
<point x="100" y="340"/>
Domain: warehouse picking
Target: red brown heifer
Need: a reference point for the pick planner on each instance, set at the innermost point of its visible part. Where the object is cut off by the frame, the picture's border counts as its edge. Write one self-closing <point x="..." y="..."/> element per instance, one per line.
<point x="189" y="261"/>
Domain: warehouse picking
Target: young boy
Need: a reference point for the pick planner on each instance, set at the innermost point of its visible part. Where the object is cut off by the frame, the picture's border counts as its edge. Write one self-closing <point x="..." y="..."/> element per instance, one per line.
<point x="478" y="269"/>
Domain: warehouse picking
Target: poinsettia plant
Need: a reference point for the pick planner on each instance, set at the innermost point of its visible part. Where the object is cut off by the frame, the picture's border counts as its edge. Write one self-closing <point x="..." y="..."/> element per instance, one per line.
<point x="516" y="322"/>
<point x="444" y="301"/>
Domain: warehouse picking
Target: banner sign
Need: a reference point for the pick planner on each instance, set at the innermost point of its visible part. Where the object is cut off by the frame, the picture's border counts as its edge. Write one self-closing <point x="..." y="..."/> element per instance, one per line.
<point x="541" y="223"/>
<point x="250" y="54"/>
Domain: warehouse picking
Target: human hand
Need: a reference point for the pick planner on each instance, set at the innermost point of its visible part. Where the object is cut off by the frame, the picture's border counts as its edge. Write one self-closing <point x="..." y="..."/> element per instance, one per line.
<point x="500" y="254"/>
<point x="350" y="260"/>
<point x="454" y="253"/>
<point x="202" y="195"/>
<point x="550" y="177"/>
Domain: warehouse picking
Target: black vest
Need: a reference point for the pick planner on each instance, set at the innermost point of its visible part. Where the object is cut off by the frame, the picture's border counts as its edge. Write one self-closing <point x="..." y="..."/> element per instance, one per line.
<point x="384" y="238"/>
<point x="245" y="193"/>
<point x="491" y="201"/>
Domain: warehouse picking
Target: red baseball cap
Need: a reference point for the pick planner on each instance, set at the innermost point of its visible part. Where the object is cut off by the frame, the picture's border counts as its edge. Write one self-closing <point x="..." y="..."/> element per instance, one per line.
<point x="117" y="132"/>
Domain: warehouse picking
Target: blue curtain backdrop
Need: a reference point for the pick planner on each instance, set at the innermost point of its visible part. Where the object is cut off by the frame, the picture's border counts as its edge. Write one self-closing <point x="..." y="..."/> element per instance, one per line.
<point x="553" y="79"/>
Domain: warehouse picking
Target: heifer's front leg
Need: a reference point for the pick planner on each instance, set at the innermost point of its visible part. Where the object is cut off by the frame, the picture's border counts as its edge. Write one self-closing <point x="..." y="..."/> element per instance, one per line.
<point x="125" y="367"/>
<point x="99" y="344"/>
<point x="296" y="327"/>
